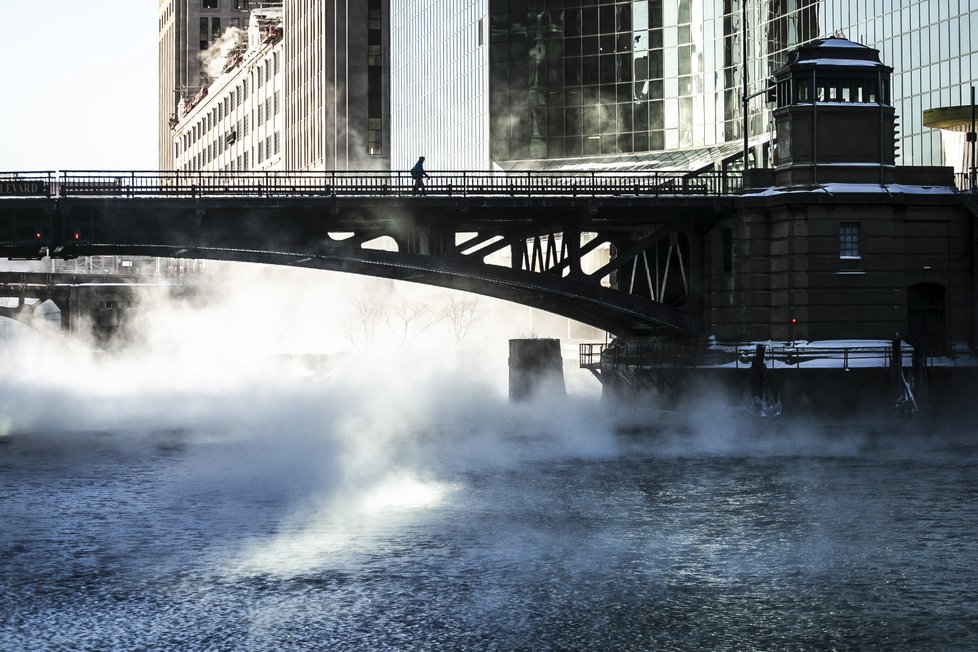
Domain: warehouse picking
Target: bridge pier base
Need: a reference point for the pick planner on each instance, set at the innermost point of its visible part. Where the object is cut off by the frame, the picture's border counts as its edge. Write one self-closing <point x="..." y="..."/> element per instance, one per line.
<point x="535" y="368"/>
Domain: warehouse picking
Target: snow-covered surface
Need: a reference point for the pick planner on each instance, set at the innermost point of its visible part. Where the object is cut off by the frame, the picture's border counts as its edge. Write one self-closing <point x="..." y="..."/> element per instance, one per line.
<point x="827" y="61"/>
<point x="842" y="188"/>
<point x="840" y="41"/>
<point x="834" y="354"/>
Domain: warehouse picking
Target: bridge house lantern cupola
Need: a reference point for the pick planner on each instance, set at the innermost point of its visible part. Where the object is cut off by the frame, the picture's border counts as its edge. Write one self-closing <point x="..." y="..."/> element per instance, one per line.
<point x="834" y="120"/>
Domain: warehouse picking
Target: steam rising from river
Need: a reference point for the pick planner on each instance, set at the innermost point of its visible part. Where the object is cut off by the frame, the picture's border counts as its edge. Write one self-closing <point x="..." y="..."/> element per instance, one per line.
<point x="357" y="398"/>
<point x="374" y="432"/>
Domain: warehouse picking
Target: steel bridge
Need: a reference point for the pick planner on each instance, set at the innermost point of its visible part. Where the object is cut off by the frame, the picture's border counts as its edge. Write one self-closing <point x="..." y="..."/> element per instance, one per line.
<point x="619" y="251"/>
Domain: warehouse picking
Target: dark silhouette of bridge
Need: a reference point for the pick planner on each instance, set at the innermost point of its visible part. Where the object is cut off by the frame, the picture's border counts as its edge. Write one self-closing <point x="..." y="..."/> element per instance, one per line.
<point x="619" y="251"/>
<point x="26" y="293"/>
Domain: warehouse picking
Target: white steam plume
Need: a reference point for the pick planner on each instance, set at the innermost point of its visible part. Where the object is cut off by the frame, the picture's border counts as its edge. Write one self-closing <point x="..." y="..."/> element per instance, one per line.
<point x="214" y="58"/>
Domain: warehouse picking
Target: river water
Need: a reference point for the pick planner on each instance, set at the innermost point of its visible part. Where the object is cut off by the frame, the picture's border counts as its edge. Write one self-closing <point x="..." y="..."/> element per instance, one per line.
<point x="314" y="526"/>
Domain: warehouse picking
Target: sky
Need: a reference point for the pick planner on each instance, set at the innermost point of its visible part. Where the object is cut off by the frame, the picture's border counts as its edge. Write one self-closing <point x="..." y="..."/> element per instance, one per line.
<point x="79" y="85"/>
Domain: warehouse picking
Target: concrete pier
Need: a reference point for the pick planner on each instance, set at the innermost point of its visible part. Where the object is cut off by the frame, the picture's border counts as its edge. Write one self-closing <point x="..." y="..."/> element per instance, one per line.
<point x="535" y="367"/>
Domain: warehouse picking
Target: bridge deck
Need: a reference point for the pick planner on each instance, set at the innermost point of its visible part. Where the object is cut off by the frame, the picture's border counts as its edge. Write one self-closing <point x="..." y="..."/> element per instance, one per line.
<point x="618" y="251"/>
<point x="365" y="183"/>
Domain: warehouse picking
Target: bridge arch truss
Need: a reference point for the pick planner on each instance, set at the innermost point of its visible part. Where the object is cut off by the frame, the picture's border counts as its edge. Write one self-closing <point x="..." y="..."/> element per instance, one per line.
<point x="625" y="264"/>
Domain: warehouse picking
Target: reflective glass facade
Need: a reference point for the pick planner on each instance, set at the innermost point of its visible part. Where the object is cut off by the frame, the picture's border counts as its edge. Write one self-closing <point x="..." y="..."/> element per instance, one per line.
<point x="933" y="48"/>
<point x="589" y="78"/>
<point x="558" y="79"/>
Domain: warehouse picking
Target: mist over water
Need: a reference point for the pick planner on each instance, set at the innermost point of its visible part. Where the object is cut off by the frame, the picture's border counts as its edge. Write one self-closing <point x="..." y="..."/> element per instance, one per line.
<point x="210" y="488"/>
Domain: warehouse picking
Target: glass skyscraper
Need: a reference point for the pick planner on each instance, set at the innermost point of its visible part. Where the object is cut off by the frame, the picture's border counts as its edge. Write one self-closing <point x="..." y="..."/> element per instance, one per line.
<point x="933" y="48"/>
<point x="642" y="83"/>
<point x="597" y="79"/>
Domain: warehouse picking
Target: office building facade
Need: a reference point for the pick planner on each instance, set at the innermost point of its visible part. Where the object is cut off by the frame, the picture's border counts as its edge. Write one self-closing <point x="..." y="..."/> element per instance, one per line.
<point x="337" y="57"/>
<point x="642" y="84"/>
<point x="188" y="29"/>
<point x="236" y="123"/>
<point x="933" y="48"/>
<point x="440" y="83"/>
<point x="304" y="87"/>
<point x="581" y="79"/>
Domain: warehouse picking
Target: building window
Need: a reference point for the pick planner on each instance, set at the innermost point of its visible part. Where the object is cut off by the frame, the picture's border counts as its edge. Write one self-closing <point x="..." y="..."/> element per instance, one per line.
<point x="849" y="240"/>
<point x="374" y="137"/>
<point x="373" y="55"/>
<point x="208" y="4"/>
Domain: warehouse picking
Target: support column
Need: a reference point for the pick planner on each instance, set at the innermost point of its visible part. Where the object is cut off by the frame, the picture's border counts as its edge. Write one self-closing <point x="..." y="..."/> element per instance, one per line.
<point x="535" y="368"/>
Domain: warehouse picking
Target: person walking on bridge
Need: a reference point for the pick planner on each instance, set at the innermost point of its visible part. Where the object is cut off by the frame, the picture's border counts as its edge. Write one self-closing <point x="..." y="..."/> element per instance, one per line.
<point x="418" y="173"/>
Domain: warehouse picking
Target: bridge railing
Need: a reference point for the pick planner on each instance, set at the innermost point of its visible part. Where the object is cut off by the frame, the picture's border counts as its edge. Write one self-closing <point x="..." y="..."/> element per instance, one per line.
<point x="740" y="356"/>
<point x="463" y="183"/>
<point x="963" y="181"/>
<point x="27" y="184"/>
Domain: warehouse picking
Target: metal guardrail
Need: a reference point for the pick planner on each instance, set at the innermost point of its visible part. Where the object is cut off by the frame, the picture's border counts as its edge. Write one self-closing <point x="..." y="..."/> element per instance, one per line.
<point x="742" y="355"/>
<point x="101" y="183"/>
<point x="27" y="184"/>
<point x="963" y="181"/>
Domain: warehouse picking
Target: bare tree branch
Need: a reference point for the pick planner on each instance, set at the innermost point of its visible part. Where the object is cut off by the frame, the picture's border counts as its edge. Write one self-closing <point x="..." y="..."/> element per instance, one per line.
<point x="461" y="313"/>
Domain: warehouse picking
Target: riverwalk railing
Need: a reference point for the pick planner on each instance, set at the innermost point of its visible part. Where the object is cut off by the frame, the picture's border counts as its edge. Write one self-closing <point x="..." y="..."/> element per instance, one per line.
<point x="741" y="355"/>
<point x="462" y="183"/>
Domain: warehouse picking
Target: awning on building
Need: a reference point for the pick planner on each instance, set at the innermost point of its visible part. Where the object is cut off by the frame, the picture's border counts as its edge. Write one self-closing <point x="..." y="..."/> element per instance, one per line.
<point x="696" y="159"/>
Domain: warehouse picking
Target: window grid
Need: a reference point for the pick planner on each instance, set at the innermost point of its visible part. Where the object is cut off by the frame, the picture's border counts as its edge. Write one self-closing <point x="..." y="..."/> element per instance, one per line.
<point x="849" y="240"/>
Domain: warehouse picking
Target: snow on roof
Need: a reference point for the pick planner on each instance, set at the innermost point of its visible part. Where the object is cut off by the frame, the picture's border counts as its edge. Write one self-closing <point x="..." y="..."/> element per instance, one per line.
<point x="867" y="188"/>
<point x="850" y="63"/>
